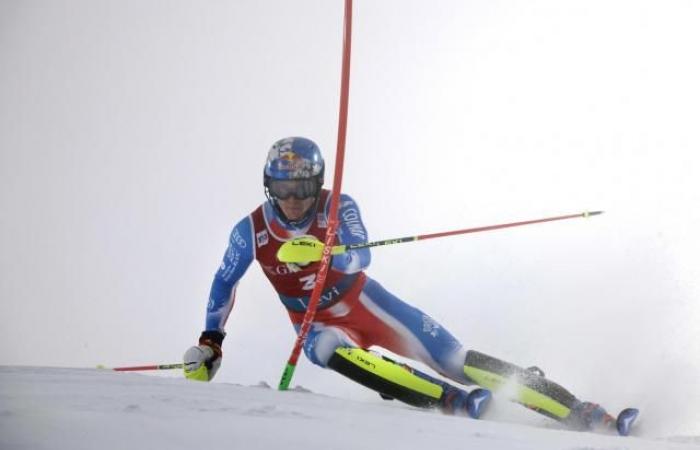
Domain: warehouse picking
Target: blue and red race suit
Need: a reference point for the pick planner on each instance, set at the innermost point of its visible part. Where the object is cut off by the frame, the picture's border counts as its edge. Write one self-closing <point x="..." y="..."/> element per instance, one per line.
<point x="354" y="310"/>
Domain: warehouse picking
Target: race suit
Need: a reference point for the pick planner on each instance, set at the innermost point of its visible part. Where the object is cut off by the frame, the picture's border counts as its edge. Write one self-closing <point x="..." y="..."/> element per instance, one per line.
<point x="354" y="310"/>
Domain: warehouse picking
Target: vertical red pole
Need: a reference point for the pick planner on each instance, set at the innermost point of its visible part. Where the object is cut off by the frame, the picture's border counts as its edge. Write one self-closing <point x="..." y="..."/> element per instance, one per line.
<point x="333" y="213"/>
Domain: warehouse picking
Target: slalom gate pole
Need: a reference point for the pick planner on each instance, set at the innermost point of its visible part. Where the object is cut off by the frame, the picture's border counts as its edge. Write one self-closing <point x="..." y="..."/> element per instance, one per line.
<point x="288" y="372"/>
<point x="308" y="249"/>
<point x="141" y="368"/>
<point x="343" y="248"/>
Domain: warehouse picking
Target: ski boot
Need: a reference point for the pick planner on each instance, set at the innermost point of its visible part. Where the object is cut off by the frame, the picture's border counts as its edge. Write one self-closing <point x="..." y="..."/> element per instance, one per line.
<point x="587" y="416"/>
<point x="455" y="401"/>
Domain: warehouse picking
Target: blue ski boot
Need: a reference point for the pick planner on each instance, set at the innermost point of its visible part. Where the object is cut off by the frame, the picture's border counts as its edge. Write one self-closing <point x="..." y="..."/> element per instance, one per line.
<point x="455" y="401"/>
<point x="477" y="401"/>
<point x="625" y="420"/>
<point x="588" y="416"/>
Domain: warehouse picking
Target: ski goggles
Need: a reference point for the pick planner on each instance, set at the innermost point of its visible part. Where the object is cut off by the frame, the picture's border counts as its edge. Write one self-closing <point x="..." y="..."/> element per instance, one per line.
<point x="299" y="189"/>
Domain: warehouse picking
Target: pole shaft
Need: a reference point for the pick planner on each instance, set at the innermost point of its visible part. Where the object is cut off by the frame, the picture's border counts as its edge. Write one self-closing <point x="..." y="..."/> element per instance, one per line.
<point x="150" y="367"/>
<point x="467" y="230"/>
<point x="288" y="372"/>
<point x="503" y="225"/>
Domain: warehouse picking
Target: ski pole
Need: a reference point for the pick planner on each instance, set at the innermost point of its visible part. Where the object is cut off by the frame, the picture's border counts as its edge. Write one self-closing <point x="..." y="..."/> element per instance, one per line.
<point x="325" y="257"/>
<point x="309" y="249"/>
<point x="140" y="368"/>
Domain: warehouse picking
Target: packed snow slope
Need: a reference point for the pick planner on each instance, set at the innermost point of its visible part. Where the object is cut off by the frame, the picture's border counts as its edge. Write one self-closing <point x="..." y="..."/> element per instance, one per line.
<point x="51" y="408"/>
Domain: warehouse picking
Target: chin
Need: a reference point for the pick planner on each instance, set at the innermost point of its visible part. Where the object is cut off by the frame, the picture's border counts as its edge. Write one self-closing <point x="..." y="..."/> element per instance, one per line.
<point x="293" y="217"/>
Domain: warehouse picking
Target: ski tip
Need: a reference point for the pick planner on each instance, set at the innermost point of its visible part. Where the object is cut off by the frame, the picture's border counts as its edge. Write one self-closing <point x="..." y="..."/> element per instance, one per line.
<point x="625" y="420"/>
<point x="477" y="402"/>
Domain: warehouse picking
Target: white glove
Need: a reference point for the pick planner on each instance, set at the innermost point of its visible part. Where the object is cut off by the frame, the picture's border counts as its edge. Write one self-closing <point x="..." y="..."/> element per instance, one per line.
<point x="202" y="361"/>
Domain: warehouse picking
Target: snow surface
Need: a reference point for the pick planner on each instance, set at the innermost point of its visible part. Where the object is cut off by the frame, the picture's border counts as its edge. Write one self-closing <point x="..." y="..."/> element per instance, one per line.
<point x="53" y="408"/>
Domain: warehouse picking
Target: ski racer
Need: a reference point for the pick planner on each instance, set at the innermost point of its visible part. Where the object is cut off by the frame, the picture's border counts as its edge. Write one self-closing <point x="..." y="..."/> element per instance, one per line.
<point x="355" y="312"/>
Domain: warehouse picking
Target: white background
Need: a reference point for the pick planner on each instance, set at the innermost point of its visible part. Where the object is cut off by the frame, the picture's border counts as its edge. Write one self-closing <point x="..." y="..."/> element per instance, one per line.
<point x="133" y="136"/>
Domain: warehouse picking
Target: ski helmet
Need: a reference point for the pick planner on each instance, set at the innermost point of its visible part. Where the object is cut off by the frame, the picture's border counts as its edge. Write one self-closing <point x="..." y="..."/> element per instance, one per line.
<point x="294" y="159"/>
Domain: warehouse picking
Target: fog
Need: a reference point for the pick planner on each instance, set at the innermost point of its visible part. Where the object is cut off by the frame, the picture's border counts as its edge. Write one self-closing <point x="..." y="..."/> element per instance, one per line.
<point x="133" y="136"/>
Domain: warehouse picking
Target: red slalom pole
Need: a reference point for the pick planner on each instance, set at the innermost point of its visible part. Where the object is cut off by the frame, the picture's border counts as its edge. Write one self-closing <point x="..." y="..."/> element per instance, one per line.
<point x="420" y="237"/>
<point x="310" y="314"/>
<point x="309" y="249"/>
<point x="506" y="225"/>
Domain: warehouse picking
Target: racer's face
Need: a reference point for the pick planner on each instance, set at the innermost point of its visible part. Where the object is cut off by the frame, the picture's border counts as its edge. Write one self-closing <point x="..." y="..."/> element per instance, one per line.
<point x="295" y="209"/>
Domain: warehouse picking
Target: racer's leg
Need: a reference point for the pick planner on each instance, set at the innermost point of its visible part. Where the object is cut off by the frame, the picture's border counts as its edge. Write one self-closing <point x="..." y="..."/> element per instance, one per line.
<point x="331" y="347"/>
<point x="416" y="335"/>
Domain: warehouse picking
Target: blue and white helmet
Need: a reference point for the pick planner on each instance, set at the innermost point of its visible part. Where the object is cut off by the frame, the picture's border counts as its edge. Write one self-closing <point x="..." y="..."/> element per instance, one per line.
<point x="294" y="167"/>
<point x="294" y="158"/>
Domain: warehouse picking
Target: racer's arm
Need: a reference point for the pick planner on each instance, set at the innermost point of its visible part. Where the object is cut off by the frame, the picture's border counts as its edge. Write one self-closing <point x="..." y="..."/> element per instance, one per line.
<point x="202" y="361"/>
<point x="238" y="257"/>
<point x="351" y="230"/>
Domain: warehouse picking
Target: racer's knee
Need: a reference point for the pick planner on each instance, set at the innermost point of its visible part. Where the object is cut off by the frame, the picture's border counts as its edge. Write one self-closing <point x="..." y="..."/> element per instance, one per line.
<point x="321" y="344"/>
<point x="451" y="364"/>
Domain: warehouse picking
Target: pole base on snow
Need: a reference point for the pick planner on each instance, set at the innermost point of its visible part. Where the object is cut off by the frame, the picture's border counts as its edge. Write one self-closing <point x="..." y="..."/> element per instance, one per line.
<point x="287" y="376"/>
